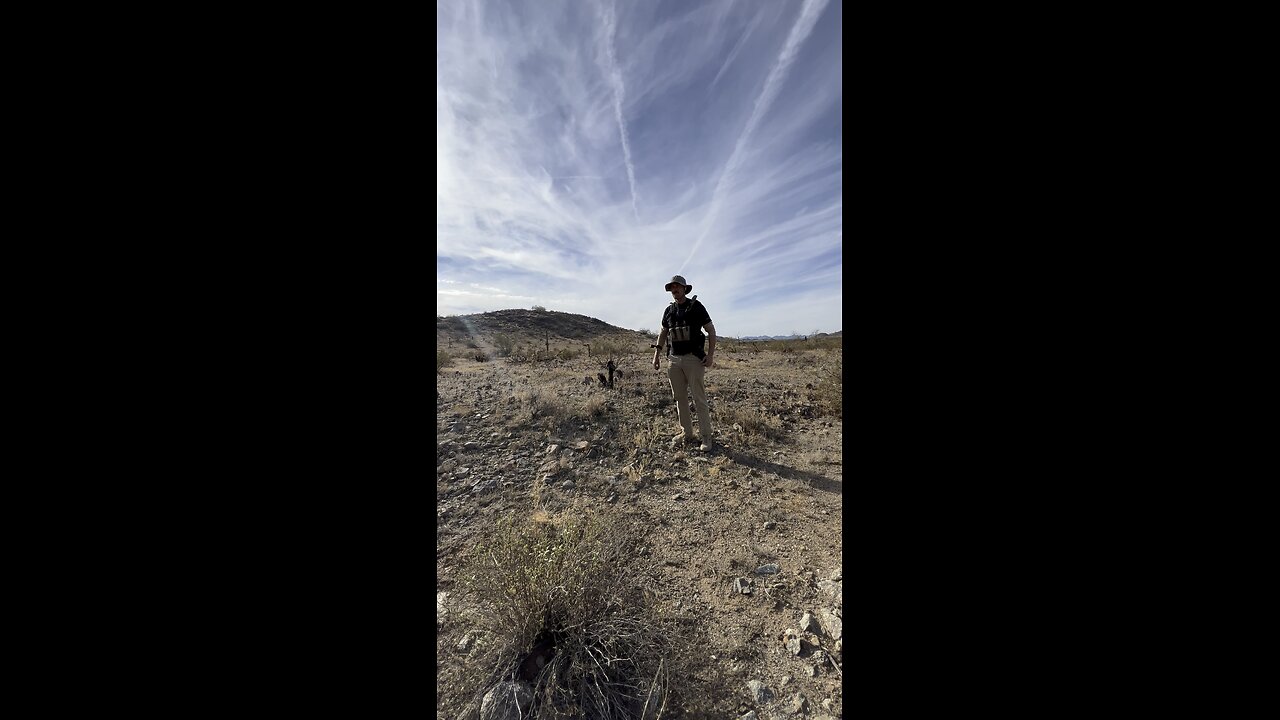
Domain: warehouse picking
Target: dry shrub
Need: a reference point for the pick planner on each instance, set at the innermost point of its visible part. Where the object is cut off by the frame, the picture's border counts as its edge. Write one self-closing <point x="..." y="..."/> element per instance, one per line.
<point x="571" y="592"/>
<point x="443" y="360"/>
<point x="543" y="406"/>
<point x="828" y="395"/>
<point x="594" y="406"/>
<point x="754" y="421"/>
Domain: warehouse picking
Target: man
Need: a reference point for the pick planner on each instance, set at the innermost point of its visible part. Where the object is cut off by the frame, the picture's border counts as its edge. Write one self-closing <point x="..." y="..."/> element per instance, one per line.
<point x="683" y="321"/>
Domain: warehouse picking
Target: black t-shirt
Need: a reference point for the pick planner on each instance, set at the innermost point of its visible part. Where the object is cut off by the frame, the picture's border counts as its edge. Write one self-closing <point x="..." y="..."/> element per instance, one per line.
<point x="684" y="324"/>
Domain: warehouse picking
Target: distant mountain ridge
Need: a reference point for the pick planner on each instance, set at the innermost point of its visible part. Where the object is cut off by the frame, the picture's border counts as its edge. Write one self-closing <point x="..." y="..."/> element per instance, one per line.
<point x="789" y="337"/>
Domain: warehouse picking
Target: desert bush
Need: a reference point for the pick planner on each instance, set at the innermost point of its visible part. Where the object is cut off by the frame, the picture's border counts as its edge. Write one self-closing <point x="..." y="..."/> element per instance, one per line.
<point x="594" y="406"/>
<point x="828" y="394"/>
<point x="753" y="420"/>
<point x="605" y="349"/>
<point x="480" y="356"/>
<point x="542" y="406"/>
<point x="443" y="360"/>
<point x="539" y="308"/>
<point x="504" y="345"/>
<point x="566" y="353"/>
<point x="570" y="592"/>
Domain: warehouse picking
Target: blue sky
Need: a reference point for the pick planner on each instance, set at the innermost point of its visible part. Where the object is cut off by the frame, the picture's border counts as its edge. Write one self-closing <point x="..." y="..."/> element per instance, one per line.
<point x="588" y="150"/>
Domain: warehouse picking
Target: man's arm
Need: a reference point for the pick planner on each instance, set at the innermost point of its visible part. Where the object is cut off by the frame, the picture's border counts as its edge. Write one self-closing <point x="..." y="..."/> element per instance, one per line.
<point x="711" y="343"/>
<point x="662" y="341"/>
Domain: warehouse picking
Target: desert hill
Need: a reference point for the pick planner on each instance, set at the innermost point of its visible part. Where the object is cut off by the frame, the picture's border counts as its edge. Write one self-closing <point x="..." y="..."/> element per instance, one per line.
<point x="534" y="328"/>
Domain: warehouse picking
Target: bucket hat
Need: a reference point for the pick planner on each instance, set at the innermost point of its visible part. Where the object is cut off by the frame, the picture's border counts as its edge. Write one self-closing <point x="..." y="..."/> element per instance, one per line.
<point x="678" y="279"/>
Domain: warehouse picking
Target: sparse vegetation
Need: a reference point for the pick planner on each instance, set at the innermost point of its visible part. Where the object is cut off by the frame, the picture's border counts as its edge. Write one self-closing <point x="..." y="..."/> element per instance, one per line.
<point x="443" y="360"/>
<point x="503" y="344"/>
<point x="829" y="392"/>
<point x="561" y="603"/>
<point x="595" y="406"/>
<point x="566" y="512"/>
<point x="606" y="349"/>
<point x="753" y="421"/>
<point x="539" y="308"/>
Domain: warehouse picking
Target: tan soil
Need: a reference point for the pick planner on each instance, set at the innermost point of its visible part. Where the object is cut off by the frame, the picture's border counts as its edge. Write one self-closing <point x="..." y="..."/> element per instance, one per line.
<point x="704" y="515"/>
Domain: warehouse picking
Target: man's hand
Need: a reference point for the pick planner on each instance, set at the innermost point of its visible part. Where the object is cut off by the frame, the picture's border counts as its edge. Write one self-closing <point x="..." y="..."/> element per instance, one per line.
<point x="708" y="361"/>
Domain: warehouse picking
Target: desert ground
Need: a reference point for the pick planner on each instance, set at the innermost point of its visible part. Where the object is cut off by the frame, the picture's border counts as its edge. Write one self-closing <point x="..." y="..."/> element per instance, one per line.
<point x="574" y="533"/>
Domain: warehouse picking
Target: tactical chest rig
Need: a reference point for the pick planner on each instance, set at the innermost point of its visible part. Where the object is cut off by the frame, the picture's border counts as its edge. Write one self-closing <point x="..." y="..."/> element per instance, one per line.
<point x="680" y="330"/>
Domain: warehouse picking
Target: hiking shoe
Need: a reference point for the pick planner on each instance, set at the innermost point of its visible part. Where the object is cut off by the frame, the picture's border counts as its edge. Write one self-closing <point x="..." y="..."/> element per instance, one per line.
<point x="688" y="439"/>
<point x="707" y="446"/>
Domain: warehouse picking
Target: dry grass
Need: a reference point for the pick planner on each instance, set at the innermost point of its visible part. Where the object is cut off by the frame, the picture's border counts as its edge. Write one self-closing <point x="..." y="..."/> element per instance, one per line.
<point x="541" y="406"/>
<point x="595" y="406"/>
<point x="829" y="393"/>
<point x="753" y="421"/>
<point x="563" y="605"/>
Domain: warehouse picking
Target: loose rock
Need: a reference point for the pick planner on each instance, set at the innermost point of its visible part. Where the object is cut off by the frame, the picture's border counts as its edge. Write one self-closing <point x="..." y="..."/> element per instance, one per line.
<point x="831" y="588"/>
<point x="769" y="569"/>
<point x="759" y="693"/>
<point x="807" y="623"/>
<point x="794" y="645"/>
<point x="506" y="701"/>
<point x="832" y="626"/>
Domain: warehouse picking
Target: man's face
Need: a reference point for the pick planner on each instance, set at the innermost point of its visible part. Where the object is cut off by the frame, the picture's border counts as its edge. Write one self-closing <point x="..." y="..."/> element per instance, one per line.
<point x="677" y="292"/>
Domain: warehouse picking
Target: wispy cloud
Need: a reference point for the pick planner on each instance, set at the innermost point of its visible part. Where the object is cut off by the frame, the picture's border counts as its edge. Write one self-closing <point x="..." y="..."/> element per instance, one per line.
<point x="619" y="91"/>
<point x="736" y="49"/>
<point x="799" y="33"/>
<point x="557" y="121"/>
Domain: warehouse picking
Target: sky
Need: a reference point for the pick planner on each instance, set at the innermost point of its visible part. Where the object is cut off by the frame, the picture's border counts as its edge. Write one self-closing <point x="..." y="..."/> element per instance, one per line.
<point x="588" y="150"/>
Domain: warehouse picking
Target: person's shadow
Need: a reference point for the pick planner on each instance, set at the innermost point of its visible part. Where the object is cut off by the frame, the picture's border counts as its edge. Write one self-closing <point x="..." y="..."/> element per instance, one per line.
<point x="813" y="479"/>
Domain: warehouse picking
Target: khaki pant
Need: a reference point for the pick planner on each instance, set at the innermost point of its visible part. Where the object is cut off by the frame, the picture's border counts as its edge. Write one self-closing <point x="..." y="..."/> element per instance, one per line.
<point x="685" y="372"/>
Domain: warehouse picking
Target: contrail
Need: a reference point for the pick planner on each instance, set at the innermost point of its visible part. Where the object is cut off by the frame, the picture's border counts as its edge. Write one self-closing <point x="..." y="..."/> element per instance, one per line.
<point x="799" y="33"/>
<point x="736" y="48"/>
<point x="610" y="23"/>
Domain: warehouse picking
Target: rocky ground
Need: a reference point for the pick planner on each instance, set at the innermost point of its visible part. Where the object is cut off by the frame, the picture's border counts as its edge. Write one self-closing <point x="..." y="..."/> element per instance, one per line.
<point x="747" y="538"/>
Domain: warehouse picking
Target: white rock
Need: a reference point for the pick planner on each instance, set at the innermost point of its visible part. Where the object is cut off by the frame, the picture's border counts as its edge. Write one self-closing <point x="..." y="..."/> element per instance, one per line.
<point x="506" y="701"/>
